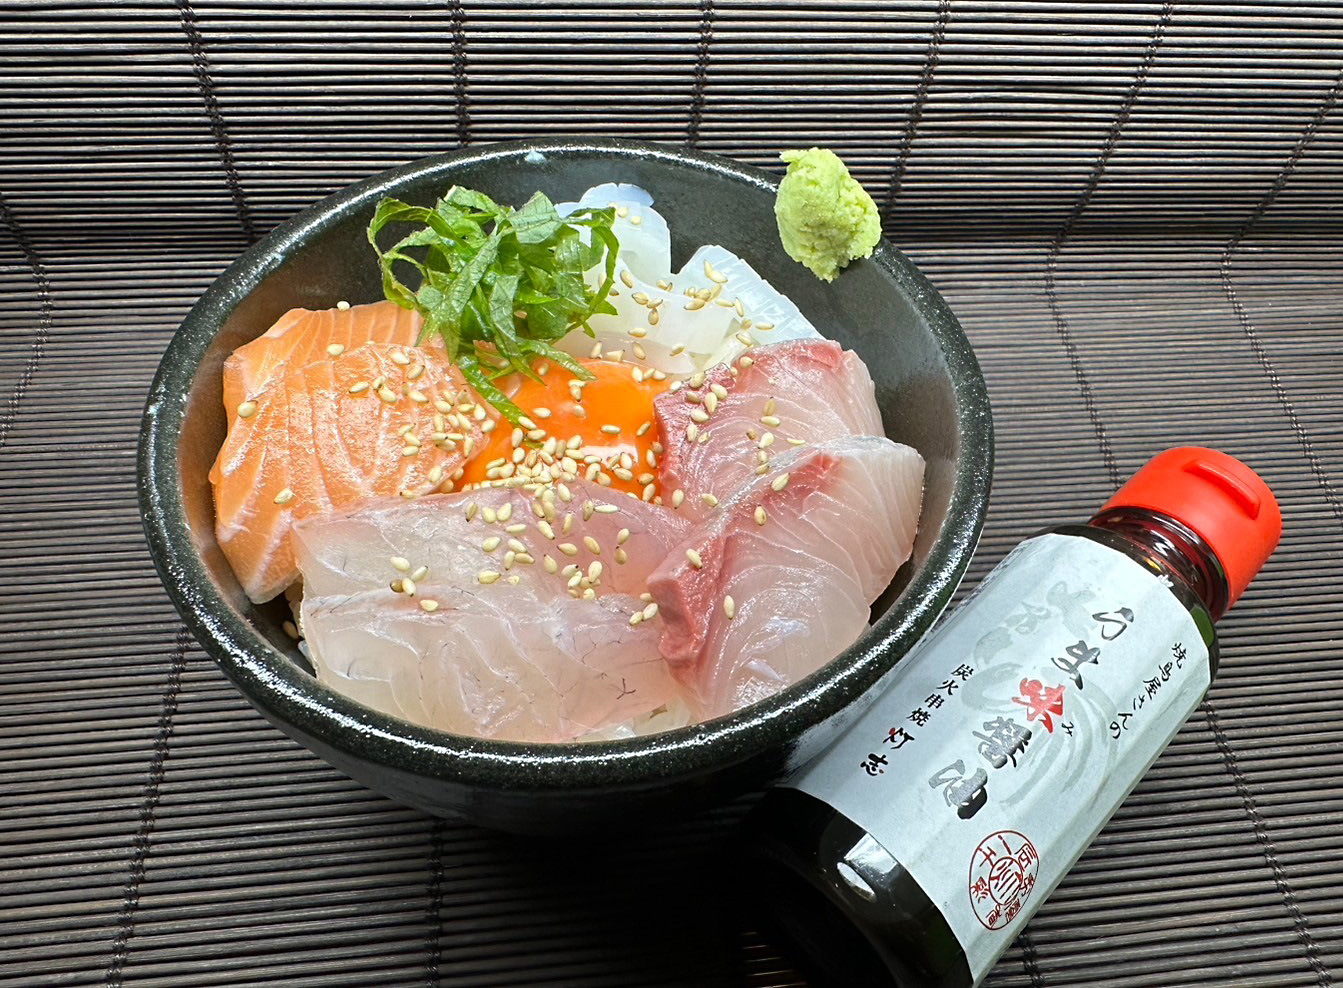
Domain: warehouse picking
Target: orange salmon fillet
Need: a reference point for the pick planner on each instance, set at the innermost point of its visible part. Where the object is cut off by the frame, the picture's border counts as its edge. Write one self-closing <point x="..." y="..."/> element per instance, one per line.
<point x="376" y="420"/>
<point x="301" y="336"/>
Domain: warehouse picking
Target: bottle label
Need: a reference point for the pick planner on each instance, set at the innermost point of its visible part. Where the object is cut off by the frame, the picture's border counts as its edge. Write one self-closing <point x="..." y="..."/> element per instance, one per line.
<point x="1011" y="733"/>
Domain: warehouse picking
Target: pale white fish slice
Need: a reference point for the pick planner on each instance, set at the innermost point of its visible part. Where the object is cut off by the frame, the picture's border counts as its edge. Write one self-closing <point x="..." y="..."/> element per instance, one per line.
<point x="801" y="584"/>
<point x="504" y="662"/>
<point x="353" y="550"/>
<point x="809" y="390"/>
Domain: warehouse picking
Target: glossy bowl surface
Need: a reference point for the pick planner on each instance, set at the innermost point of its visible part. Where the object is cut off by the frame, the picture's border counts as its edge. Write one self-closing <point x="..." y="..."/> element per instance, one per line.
<point x="929" y="387"/>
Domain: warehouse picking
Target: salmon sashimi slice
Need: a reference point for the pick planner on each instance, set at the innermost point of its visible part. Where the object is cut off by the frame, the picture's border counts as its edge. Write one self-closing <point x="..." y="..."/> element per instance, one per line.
<point x="542" y="538"/>
<point x="725" y="429"/>
<point x="517" y="663"/>
<point x="502" y="612"/>
<point x="302" y="336"/>
<point x="374" y="421"/>
<point x="781" y="578"/>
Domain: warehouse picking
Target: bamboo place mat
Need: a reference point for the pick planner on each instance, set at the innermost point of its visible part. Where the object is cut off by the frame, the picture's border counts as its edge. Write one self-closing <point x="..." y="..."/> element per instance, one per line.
<point x="1134" y="209"/>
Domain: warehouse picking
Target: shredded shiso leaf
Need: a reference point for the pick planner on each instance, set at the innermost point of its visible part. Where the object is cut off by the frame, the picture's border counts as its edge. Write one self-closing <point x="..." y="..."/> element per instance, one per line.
<point x="498" y="285"/>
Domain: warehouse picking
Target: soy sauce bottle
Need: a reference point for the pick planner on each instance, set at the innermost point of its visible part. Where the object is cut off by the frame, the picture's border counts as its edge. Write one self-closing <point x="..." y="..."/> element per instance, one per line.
<point x="915" y="848"/>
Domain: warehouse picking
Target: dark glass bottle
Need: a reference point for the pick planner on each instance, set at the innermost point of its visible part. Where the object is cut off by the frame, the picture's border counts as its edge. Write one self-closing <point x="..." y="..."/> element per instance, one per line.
<point x="838" y="891"/>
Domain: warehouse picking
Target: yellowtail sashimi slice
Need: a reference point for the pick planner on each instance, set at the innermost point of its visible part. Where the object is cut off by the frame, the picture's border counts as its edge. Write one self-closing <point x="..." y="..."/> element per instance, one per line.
<point x="725" y="431"/>
<point x="780" y="580"/>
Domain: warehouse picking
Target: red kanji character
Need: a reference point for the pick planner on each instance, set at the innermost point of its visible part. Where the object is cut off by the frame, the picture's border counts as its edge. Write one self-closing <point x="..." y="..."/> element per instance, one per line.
<point x="980" y="890"/>
<point x="899" y="737"/>
<point x="1040" y="701"/>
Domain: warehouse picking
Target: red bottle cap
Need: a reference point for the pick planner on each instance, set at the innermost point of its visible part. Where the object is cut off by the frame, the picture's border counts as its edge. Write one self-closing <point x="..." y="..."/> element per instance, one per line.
<point x="1225" y="502"/>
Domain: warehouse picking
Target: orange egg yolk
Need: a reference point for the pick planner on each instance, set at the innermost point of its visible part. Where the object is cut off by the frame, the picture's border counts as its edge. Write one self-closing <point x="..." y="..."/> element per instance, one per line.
<point x="612" y="416"/>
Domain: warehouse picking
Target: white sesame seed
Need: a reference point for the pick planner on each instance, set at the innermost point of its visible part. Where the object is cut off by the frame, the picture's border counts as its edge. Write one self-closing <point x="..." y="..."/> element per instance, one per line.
<point x="492" y="543"/>
<point x="359" y="387"/>
<point x="779" y="482"/>
<point x="729" y="607"/>
<point x="515" y="528"/>
<point x="247" y="409"/>
<point x="429" y="606"/>
<point x="487" y="576"/>
<point x="399" y="357"/>
<point x="696" y="380"/>
<point x="471" y="510"/>
<point x="516" y="546"/>
<point x="291" y="630"/>
<point x="797" y="442"/>
<point x="695" y="304"/>
<point x="550" y="565"/>
<point x="745" y="339"/>
<point x="401" y="564"/>
<point x="419" y="397"/>
<point x="595" y="570"/>
<point x="636" y="618"/>
<point x="408" y="586"/>
<point x="415" y="372"/>
<point x="718" y="390"/>
<point x="760" y="516"/>
<point x="505" y="512"/>
<point x="764" y="327"/>
<point x="616" y="355"/>
<point x="711" y="403"/>
<point x="766" y="440"/>
<point x="611" y="430"/>
<point x="678" y="496"/>
<point x="387" y="395"/>
<point x="746" y="362"/>
<point x="709" y="500"/>
<point x="653" y="317"/>
<point x="568" y="548"/>
<point x="699" y="415"/>
<point x="639" y="352"/>
<point x="343" y="305"/>
<point x="772" y="421"/>
<point x="593" y="546"/>
<point x="625" y="278"/>
<point x="638" y="332"/>
<point x="694" y="558"/>
<point x="335" y="349"/>
<point x="420" y="573"/>
<point x="650" y="612"/>
<point x="284" y="497"/>
<point x="640" y="298"/>
<point x="621" y="555"/>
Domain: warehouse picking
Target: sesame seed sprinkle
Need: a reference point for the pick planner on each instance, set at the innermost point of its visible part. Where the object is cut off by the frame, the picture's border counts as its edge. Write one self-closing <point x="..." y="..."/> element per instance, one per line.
<point x="550" y="565"/>
<point x="420" y="573"/>
<point x="247" y="409"/>
<point x="399" y="358"/>
<point x="729" y="607"/>
<point x="694" y="558"/>
<point x="625" y="278"/>
<point x="568" y="548"/>
<point x="335" y="349"/>
<point x="343" y="305"/>
<point x="358" y="387"/>
<point x="487" y="576"/>
<point x="428" y="606"/>
<point x="650" y="612"/>
<point x="678" y="496"/>
<point x="709" y="500"/>
<point x="779" y="482"/>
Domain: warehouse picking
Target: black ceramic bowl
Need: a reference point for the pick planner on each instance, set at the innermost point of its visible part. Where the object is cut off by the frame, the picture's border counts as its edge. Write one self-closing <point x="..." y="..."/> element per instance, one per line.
<point x="931" y="395"/>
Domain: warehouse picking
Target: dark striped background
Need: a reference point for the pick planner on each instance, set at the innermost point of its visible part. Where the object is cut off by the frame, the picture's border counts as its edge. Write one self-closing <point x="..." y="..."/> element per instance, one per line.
<point x="1134" y="207"/>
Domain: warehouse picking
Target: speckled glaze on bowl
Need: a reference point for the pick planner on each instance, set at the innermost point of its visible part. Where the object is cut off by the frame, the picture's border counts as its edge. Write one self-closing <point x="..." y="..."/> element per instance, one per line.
<point x="932" y="397"/>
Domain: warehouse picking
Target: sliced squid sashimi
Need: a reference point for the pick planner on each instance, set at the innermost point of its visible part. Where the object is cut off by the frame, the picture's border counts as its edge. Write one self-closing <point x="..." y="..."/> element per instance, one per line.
<point x="801" y="552"/>
<point x="645" y="241"/>
<point x="711" y="311"/>
<point x="726" y="431"/>
<point x="513" y="531"/>
<point x="322" y="436"/>
<point x="506" y="662"/>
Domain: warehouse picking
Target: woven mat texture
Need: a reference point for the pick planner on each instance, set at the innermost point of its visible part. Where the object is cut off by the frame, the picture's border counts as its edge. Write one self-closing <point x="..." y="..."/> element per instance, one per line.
<point x="1135" y="209"/>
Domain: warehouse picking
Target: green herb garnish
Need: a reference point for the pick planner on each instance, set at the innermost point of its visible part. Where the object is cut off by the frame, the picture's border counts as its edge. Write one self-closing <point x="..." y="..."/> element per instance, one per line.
<point x="499" y="285"/>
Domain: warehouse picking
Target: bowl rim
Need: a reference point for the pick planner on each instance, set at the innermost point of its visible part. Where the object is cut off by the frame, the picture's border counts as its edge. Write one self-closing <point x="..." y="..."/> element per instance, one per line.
<point x="292" y="698"/>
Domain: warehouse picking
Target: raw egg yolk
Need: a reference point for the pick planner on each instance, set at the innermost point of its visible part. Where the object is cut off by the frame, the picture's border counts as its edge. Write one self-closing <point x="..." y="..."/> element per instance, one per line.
<point x="611" y="415"/>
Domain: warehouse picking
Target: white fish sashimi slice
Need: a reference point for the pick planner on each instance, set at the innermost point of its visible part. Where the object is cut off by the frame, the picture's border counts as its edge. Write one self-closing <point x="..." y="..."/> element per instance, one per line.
<point x="353" y="551"/>
<point x="645" y="241"/>
<point x="835" y="532"/>
<point x="807" y="390"/>
<point x="499" y="661"/>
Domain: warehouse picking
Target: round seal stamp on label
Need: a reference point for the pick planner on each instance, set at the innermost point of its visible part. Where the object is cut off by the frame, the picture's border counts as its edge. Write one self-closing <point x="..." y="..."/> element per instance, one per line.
<point x="1002" y="877"/>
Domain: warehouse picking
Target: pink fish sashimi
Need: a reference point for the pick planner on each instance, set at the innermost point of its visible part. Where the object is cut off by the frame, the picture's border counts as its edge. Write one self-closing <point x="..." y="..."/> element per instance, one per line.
<point x="513" y="663"/>
<point x="543" y="650"/>
<point x="802" y="552"/>
<point x="719" y="434"/>
<point x="510" y="530"/>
